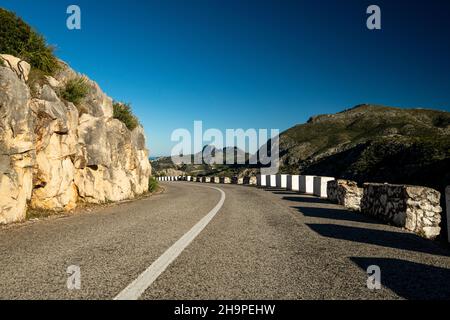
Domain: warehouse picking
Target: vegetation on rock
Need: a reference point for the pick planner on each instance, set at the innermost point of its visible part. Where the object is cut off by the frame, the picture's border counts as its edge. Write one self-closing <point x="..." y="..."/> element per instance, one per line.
<point x="75" y="90"/>
<point x="123" y="112"/>
<point x="20" y="40"/>
<point x="153" y="185"/>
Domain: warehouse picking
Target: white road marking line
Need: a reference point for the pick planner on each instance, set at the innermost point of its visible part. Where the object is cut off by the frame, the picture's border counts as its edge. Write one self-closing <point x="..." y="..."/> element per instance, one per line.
<point x="145" y="280"/>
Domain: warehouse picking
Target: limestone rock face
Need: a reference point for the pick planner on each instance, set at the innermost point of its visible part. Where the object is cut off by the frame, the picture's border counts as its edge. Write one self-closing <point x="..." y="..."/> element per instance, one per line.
<point x="17" y="151"/>
<point x="21" y="68"/>
<point x="97" y="103"/>
<point x="56" y="145"/>
<point x="54" y="154"/>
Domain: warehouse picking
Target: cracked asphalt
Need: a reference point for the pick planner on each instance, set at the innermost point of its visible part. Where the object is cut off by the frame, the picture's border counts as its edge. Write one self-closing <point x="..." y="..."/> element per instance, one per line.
<point x="262" y="244"/>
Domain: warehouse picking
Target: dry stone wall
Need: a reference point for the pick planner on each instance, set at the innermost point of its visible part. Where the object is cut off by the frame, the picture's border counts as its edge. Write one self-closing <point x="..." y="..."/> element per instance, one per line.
<point x="416" y="209"/>
<point x="346" y="193"/>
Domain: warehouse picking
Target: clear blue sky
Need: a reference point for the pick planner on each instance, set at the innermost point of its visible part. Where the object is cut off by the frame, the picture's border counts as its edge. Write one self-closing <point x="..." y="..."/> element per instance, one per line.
<point x="251" y="63"/>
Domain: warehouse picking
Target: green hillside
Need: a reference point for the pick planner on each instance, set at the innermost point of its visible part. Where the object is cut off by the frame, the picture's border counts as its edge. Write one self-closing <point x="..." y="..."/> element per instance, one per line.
<point x="372" y="143"/>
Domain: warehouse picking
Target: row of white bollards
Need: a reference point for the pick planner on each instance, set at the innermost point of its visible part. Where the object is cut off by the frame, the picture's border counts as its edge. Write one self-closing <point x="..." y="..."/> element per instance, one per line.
<point x="299" y="183"/>
<point x="313" y="185"/>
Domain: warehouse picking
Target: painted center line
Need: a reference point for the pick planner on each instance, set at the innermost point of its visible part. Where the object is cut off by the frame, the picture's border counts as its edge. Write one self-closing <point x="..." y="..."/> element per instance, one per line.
<point x="145" y="280"/>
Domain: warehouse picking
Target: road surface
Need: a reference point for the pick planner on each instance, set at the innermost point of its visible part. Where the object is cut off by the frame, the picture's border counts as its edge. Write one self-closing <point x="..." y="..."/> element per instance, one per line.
<point x="259" y="244"/>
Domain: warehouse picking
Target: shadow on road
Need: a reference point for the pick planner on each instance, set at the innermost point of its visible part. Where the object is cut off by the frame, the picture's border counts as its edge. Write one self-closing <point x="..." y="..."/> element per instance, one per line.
<point x="306" y="199"/>
<point x="336" y="214"/>
<point x="410" y="280"/>
<point x="284" y="192"/>
<point x="384" y="238"/>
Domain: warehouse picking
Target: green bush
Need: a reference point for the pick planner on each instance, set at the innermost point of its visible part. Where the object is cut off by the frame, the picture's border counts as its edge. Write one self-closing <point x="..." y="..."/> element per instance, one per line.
<point x="122" y="112"/>
<point x="20" y="40"/>
<point x="153" y="185"/>
<point x="75" y="90"/>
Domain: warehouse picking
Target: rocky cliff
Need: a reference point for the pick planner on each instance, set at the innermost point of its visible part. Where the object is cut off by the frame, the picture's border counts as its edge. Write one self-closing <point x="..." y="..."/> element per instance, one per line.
<point x="54" y="154"/>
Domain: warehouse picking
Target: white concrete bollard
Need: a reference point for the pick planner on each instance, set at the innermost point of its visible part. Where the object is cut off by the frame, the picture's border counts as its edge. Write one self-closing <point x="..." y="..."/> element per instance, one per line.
<point x="189" y="178"/>
<point x="307" y="184"/>
<point x="216" y="180"/>
<point x="282" y="181"/>
<point x="207" y="179"/>
<point x="447" y="204"/>
<point x="262" y="180"/>
<point x="273" y="181"/>
<point x="293" y="183"/>
<point x="321" y="186"/>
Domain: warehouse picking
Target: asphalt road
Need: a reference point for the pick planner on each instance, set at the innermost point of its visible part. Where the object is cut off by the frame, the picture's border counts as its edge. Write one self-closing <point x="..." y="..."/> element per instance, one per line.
<point x="261" y="244"/>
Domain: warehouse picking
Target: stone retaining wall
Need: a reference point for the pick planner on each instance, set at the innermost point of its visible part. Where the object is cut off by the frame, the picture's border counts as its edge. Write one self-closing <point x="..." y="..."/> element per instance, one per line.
<point x="416" y="209"/>
<point x="447" y="204"/>
<point x="345" y="193"/>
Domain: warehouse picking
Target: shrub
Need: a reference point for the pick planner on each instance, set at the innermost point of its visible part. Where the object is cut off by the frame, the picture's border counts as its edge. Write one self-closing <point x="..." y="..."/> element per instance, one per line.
<point x="20" y="40"/>
<point x="122" y="112"/>
<point x="75" y="90"/>
<point x="153" y="185"/>
<point x="442" y="120"/>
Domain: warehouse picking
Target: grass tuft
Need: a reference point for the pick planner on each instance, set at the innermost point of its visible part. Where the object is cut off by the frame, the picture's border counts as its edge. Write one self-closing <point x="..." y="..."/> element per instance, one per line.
<point x="153" y="185"/>
<point x="123" y="112"/>
<point x="75" y="90"/>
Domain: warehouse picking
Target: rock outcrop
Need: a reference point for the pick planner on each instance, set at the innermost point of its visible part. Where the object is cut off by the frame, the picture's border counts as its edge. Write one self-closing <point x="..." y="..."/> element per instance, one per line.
<point x="416" y="209"/>
<point x="54" y="154"/>
<point x="17" y="146"/>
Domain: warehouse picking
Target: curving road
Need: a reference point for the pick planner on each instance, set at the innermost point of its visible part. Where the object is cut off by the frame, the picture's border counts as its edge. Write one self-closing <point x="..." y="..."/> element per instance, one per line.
<point x="234" y="242"/>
